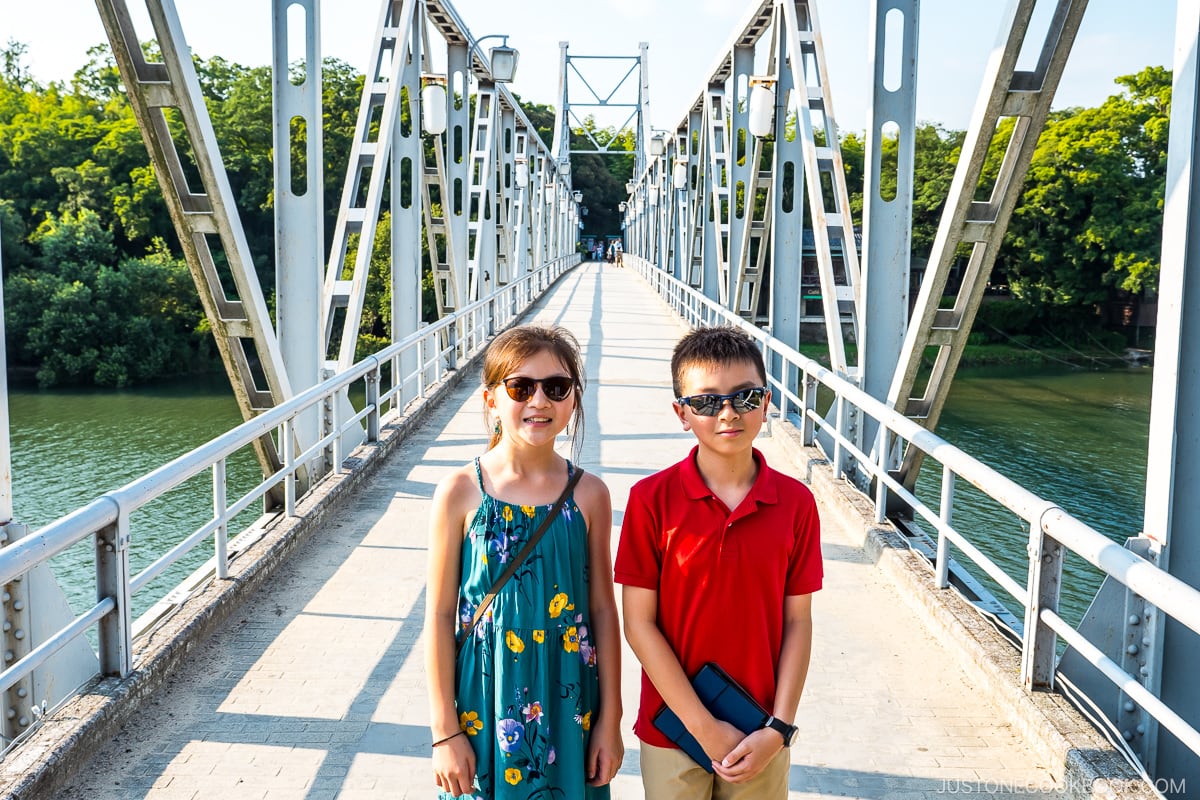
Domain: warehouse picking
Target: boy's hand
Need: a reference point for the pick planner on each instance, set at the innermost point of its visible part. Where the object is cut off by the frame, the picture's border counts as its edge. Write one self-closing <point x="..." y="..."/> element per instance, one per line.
<point x="750" y="756"/>
<point x="719" y="739"/>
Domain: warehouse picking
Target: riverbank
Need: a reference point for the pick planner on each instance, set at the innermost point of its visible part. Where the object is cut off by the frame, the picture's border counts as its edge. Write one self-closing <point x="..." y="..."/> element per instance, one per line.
<point x="1007" y="355"/>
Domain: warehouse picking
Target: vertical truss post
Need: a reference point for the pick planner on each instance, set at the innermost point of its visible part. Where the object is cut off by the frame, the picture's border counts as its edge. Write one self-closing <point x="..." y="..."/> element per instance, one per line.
<point x="1025" y="96"/>
<point x="643" y="113"/>
<point x="887" y="223"/>
<point x="205" y="218"/>
<point x="787" y="202"/>
<point x="741" y="171"/>
<point x="406" y="202"/>
<point x="299" y="217"/>
<point x="716" y="199"/>
<point x="506" y="163"/>
<point x="697" y="198"/>
<point x="454" y="200"/>
<point x="1173" y="472"/>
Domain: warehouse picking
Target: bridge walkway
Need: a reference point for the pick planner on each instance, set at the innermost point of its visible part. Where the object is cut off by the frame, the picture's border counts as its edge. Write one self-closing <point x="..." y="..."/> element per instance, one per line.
<point x="316" y="690"/>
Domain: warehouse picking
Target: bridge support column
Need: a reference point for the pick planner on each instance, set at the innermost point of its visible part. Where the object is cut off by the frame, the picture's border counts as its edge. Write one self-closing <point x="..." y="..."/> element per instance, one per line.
<point x="887" y="223"/>
<point x="299" y="224"/>
<point x="407" y="196"/>
<point x="1173" y="470"/>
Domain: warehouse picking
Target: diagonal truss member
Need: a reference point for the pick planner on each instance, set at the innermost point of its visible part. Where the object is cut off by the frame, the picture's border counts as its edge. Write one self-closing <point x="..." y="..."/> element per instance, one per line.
<point x="205" y="216"/>
<point x="937" y="334"/>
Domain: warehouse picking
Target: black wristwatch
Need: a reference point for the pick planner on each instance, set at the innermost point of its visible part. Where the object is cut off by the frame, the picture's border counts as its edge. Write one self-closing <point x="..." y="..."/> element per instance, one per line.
<point x="788" y="732"/>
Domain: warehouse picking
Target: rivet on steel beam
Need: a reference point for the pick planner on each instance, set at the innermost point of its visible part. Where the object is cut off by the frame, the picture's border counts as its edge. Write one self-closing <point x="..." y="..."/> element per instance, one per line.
<point x="1134" y="619"/>
<point x="1145" y="671"/>
<point x="1145" y="642"/>
<point x="7" y="595"/>
<point x="22" y="691"/>
<point x="18" y="634"/>
<point x="1132" y="649"/>
<point x="7" y="626"/>
<point x="1141" y="729"/>
<point x="23" y="722"/>
<point x="11" y="713"/>
<point x="1127" y="736"/>
<point x="9" y="655"/>
<point x="1129" y="706"/>
<point x="19" y="605"/>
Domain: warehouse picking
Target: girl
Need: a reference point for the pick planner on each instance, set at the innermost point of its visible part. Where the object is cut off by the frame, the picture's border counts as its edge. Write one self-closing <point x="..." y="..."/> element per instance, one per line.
<point x="531" y="707"/>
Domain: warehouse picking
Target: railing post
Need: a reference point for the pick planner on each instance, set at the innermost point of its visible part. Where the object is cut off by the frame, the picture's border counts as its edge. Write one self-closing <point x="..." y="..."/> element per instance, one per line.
<point x="18" y="702"/>
<point x="881" y="492"/>
<point x="327" y="423"/>
<point x="839" y="424"/>
<point x="372" y="379"/>
<point x="1045" y="581"/>
<point x="338" y="455"/>
<point x="491" y="317"/>
<point x="946" y="512"/>
<point x="452" y="335"/>
<point x="808" y="426"/>
<point x="289" y="463"/>
<point x="220" y="512"/>
<point x="112" y="580"/>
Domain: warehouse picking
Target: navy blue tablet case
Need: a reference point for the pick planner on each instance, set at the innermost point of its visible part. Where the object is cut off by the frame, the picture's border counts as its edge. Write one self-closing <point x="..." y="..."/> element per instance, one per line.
<point x="725" y="700"/>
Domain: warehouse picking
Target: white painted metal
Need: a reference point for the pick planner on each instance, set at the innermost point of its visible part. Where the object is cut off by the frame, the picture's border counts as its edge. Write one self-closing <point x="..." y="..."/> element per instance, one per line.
<point x="407" y="169"/>
<point x="299" y="217"/>
<point x="887" y="224"/>
<point x="206" y="216"/>
<point x="823" y="164"/>
<point x="481" y="216"/>
<point x="1006" y="92"/>
<point x="366" y="176"/>
<point x="786" y="231"/>
<point x="1173" y="467"/>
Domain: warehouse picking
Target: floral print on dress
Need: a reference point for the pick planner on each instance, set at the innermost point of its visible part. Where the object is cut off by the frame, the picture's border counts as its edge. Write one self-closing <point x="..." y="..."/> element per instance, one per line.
<point x="527" y="681"/>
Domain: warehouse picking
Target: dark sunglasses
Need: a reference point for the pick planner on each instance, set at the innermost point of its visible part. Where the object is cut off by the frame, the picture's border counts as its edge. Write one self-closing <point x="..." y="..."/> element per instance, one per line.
<point x="709" y="405"/>
<point x="556" y="388"/>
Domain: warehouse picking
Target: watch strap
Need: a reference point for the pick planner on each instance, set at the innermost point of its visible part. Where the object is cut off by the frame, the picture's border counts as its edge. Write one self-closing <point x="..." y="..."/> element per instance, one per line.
<point x="788" y="732"/>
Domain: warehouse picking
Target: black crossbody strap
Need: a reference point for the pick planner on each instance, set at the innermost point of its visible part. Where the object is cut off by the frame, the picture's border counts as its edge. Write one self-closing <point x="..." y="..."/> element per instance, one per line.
<point x="511" y="569"/>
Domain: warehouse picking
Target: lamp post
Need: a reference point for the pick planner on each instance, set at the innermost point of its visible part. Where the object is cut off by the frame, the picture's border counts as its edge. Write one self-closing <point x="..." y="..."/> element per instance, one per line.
<point x="502" y="59"/>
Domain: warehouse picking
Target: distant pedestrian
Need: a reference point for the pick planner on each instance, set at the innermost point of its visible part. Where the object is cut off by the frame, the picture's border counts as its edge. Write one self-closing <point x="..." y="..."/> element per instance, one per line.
<point x="719" y="557"/>
<point x="530" y="706"/>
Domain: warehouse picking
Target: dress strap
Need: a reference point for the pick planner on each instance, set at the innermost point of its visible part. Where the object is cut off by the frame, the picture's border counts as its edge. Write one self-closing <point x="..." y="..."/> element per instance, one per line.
<point x="479" y="477"/>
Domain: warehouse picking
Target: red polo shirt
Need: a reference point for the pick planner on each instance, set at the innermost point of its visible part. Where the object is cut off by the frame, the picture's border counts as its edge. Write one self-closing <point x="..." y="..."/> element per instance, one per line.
<point x="721" y="576"/>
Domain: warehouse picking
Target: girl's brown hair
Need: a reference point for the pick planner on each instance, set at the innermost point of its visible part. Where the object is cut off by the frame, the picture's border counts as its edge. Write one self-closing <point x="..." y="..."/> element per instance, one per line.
<point x="513" y="347"/>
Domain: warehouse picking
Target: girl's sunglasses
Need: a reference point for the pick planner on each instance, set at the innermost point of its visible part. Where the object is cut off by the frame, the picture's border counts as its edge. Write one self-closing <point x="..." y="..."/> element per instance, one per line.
<point x="709" y="405"/>
<point x="556" y="388"/>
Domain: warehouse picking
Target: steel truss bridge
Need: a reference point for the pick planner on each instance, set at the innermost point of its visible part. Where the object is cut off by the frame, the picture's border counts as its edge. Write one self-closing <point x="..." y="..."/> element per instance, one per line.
<point x="718" y="228"/>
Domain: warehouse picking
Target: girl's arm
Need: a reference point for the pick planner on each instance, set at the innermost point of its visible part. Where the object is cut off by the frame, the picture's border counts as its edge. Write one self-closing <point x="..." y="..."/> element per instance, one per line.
<point x="605" y="749"/>
<point x="453" y="761"/>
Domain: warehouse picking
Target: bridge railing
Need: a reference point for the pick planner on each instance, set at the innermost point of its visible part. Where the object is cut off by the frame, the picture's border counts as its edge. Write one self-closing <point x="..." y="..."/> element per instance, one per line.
<point x="794" y="379"/>
<point x="430" y="352"/>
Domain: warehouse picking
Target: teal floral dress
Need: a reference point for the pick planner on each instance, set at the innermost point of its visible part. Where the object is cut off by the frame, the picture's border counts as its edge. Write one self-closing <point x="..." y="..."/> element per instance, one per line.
<point x="527" y="685"/>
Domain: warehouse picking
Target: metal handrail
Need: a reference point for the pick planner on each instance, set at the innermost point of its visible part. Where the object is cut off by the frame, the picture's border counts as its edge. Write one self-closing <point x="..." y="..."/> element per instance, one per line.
<point x="466" y="332"/>
<point x="1046" y="519"/>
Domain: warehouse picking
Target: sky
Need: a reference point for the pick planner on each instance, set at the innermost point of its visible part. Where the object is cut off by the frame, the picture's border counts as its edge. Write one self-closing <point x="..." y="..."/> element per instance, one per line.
<point x="685" y="38"/>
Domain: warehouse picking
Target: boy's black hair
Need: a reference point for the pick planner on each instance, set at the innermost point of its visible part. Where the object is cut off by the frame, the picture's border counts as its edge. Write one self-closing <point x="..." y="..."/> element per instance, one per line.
<point x="714" y="347"/>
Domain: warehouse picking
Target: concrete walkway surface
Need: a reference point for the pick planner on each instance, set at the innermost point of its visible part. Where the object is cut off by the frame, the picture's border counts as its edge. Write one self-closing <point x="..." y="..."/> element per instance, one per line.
<point x="317" y="691"/>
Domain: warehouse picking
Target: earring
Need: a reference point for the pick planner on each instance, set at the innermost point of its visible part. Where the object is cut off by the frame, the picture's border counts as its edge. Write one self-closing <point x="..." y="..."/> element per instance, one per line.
<point x="496" y="428"/>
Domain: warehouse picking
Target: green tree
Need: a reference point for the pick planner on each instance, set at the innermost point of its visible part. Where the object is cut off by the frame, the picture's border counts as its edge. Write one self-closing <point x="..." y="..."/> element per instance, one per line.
<point x="1088" y="226"/>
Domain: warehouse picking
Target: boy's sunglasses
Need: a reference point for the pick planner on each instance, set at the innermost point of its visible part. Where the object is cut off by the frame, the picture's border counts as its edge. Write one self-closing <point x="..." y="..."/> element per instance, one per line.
<point x="556" y="388"/>
<point x="709" y="405"/>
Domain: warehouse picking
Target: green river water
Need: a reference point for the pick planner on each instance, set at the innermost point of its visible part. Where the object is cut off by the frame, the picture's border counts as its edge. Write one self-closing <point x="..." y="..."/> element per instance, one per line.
<point x="1077" y="438"/>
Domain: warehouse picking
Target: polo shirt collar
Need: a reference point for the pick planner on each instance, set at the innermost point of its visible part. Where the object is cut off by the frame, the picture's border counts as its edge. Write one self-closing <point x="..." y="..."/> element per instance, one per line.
<point x="764" y="490"/>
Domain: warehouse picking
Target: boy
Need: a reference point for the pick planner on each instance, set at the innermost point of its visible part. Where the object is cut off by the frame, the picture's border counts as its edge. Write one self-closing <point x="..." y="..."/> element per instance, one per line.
<point x="719" y="556"/>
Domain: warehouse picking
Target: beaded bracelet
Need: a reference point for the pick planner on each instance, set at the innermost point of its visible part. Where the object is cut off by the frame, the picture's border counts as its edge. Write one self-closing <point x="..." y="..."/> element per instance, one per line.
<point x="448" y="738"/>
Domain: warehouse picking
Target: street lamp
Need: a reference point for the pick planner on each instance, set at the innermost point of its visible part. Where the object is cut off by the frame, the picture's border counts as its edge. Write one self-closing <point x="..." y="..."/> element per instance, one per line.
<point x="630" y="186"/>
<point x="679" y="172"/>
<point x="761" y="119"/>
<point x="577" y="196"/>
<point x="502" y="58"/>
<point x="433" y="104"/>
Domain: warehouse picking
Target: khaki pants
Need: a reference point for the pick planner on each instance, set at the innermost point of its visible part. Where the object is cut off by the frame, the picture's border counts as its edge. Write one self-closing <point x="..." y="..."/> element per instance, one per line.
<point x="670" y="774"/>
